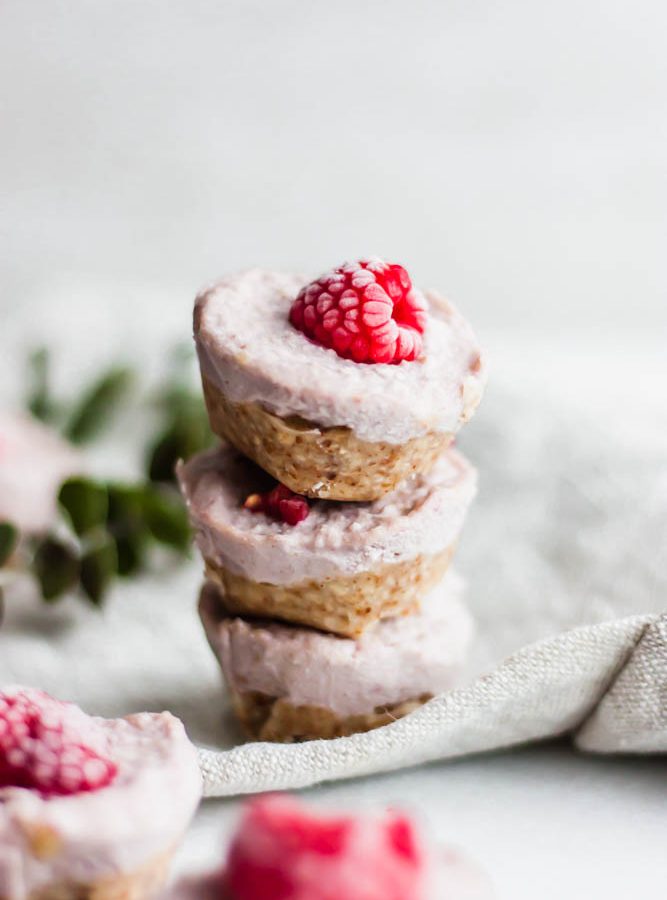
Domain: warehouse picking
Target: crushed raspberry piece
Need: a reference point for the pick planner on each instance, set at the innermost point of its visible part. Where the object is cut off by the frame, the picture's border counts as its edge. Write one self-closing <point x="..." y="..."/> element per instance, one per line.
<point x="280" y="504"/>
<point x="50" y="746"/>
<point x="367" y="311"/>
<point x="283" y="852"/>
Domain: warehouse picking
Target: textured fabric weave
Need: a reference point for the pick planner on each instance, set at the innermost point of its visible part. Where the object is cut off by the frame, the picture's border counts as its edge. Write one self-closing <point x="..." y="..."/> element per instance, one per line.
<point x="565" y="555"/>
<point x="568" y="543"/>
<point x="545" y="690"/>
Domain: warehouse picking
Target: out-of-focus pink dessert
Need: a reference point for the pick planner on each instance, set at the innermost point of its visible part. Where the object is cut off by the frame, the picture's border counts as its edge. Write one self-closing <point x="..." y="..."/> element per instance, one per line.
<point x="89" y="807"/>
<point x="325" y="425"/>
<point x="33" y="462"/>
<point x="291" y="683"/>
<point x="282" y="851"/>
<point x="343" y="567"/>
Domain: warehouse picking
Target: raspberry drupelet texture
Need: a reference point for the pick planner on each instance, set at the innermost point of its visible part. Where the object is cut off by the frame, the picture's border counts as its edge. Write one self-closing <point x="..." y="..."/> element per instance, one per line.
<point x="282" y="851"/>
<point x="50" y="746"/>
<point x="280" y="504"/>
<point x="367" y="311"/>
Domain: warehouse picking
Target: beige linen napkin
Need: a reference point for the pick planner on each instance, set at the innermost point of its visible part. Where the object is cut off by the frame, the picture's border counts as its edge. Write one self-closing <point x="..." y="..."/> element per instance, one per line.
<point x="565" y="554"/>
<point x="591" y="681"/>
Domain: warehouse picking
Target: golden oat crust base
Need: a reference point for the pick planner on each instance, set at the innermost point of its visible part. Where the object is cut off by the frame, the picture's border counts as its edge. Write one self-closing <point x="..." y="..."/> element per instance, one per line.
<point x="344" y="605"/>
<point x="265" y="718"/>
<point x="329" y="463"/>
<point x="139" y="885"/>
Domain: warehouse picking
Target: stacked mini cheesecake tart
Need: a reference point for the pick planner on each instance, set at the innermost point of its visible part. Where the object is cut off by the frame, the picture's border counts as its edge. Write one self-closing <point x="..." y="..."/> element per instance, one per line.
<point x="329" y="515"/>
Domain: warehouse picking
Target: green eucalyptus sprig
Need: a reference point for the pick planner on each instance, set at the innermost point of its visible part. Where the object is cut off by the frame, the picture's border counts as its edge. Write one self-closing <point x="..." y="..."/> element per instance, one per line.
<point x="184" y="428"/>
<point x="9" y="538"/>
<point x="110" y="530"/>
<point x="81" y="420"/>
<point x="107" y="531"/>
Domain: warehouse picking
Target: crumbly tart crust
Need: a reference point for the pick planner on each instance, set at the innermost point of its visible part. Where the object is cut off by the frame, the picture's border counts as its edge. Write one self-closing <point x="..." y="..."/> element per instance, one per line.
<point x="344" y="605"/>
<point x="138" y="885"/>
<point x="265" y="718"/>
<point x="327" y="463"/>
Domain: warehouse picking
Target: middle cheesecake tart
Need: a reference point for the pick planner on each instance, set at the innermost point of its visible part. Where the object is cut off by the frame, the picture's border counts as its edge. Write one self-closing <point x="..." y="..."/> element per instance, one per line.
<point x="343" y="567"/>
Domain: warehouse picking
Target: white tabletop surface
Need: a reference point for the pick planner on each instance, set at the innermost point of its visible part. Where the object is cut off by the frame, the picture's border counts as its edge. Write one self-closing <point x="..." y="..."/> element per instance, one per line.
<point x="512" y="154"/>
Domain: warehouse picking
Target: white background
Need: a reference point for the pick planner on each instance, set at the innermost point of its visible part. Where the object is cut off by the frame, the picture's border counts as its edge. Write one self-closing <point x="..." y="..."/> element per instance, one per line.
<point x="511" y="154"/>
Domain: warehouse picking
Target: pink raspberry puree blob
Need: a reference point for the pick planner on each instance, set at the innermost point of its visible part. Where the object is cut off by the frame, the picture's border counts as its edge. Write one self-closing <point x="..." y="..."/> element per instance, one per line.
<point x="367" y="311"/>
<point x="281" y="504"/>
<point x="283" y="852"/>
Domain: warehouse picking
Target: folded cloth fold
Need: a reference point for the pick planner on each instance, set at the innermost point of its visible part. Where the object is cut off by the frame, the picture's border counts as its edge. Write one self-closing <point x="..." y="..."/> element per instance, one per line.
<point x="593" y="678"/>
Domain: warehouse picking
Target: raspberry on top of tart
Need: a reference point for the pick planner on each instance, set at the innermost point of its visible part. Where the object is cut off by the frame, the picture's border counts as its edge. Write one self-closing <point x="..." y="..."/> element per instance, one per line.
<point x="367" y="311"/>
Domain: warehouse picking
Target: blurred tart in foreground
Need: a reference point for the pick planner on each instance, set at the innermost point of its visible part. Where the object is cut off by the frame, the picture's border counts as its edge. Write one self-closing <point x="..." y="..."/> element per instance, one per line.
<point x="284" y="850"/>
<point x="89" y="807"/>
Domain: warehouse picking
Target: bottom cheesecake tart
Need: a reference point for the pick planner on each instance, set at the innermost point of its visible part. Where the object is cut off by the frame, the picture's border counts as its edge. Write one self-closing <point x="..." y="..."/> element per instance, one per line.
<point x="290" y="683"/>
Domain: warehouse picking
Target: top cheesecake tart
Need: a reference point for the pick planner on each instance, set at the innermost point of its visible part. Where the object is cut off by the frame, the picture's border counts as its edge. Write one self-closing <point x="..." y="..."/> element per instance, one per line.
<point x="320" y="421"/>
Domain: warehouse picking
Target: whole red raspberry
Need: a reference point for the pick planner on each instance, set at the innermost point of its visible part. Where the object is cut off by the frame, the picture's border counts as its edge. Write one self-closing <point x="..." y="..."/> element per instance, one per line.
<point x="50" y="746"/>
<point x="282" y="851"/>
<point x="367" y="311"/>
<point x="280" y="504"/>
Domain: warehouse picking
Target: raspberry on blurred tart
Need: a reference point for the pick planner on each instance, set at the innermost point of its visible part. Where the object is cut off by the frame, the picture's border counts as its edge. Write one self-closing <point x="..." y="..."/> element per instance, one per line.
<point x="282" y="850"/>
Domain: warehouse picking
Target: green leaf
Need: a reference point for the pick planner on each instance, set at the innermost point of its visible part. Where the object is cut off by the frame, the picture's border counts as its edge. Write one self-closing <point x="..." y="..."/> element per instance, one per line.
<point x="164" y="455"/>
<point x="182" y="439"/>
<point x="9" y="538"/>
<point x="85" y="502"/>
<point x="98" y="568"/>
<point x="126" y="522"/>
<point x="98" y="405"/>
<point x="131" y="553"/>
<point x="167" y="519"/>
<point x="56" y="568"/>
<point x="39" y="400"/>
<point x="126" y="506"/>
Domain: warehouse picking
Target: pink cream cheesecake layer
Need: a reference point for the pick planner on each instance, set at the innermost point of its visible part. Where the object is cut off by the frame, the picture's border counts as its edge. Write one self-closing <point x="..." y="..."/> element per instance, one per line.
<point x="405" y="660"/>
<point x="346" y="565"/>
<point x="421" y="517"/>
<point x="112" y="842"/>
<point x="323" y="425"/>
